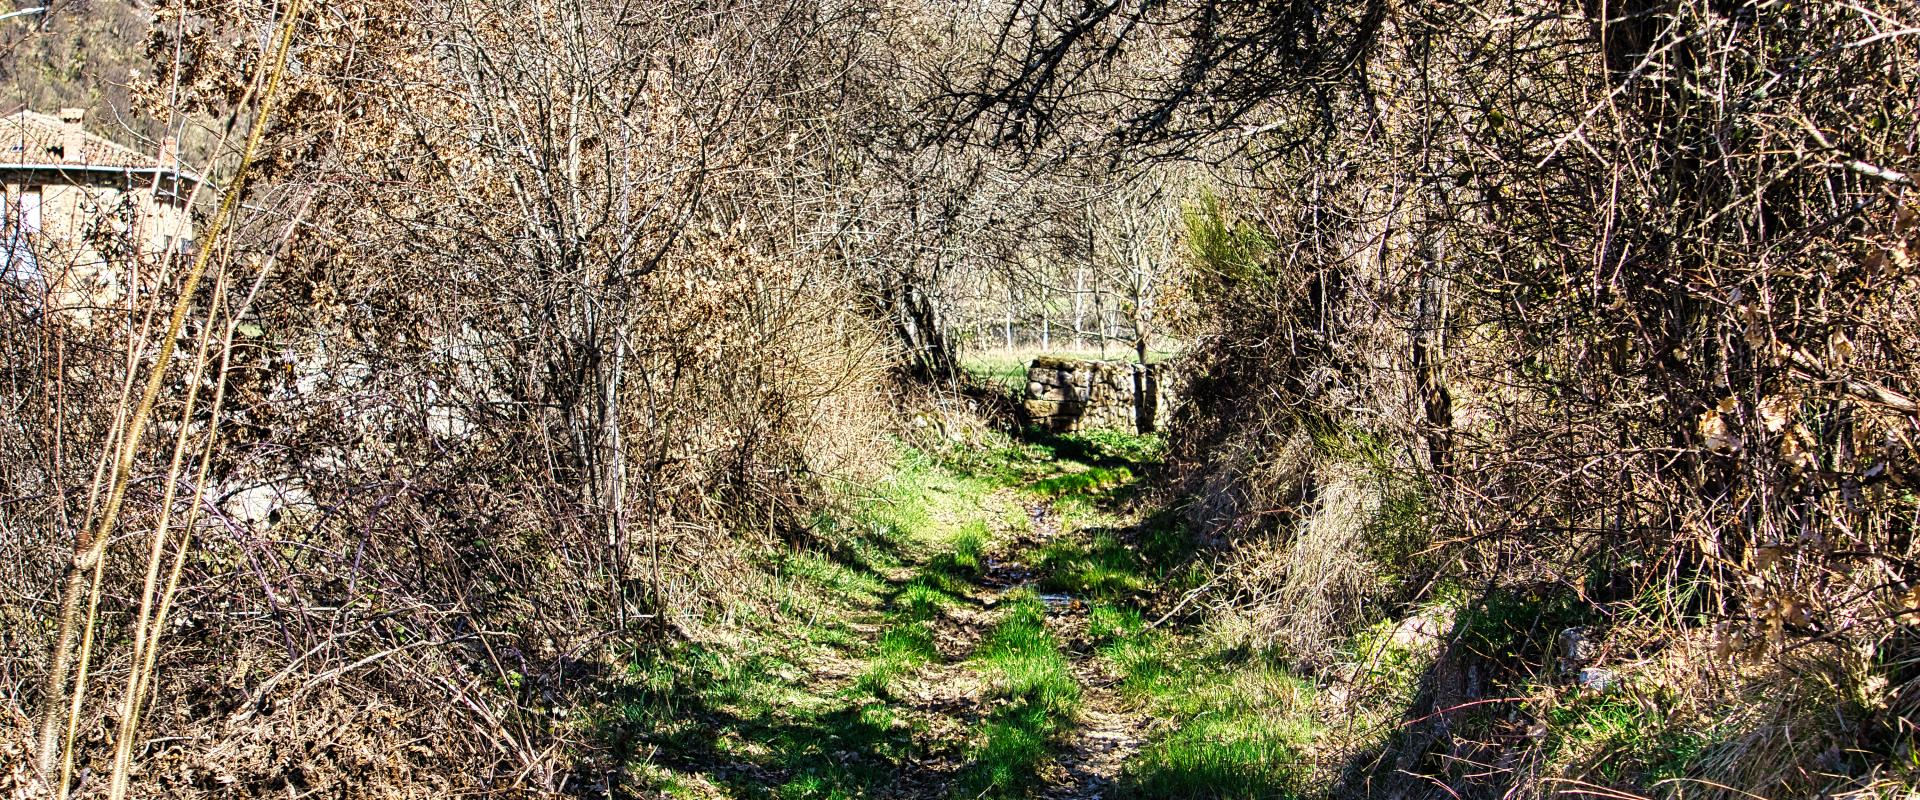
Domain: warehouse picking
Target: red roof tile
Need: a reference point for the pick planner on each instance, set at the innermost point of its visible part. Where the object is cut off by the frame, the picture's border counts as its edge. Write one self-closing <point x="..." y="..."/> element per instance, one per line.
<point x="28" y="137"/>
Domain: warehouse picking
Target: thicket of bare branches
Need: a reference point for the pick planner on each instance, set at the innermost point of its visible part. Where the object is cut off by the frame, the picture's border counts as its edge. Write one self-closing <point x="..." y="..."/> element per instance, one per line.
<point x="532" y="317"/>
<point x="532" y="323"/>
<point x="1620" y="299"/>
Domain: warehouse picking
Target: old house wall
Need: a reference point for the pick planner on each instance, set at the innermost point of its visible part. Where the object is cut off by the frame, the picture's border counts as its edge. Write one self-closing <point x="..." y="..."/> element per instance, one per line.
<point x="73" y="222"/>
<point x="86" y="236"/>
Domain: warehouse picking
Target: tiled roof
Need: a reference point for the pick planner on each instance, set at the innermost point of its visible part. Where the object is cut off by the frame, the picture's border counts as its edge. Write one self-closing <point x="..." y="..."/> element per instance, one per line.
<point x="28" y="137"/>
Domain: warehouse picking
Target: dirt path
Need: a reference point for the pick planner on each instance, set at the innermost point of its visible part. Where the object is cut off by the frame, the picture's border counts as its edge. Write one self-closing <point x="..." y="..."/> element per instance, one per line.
<point x="1106" y="730"/>
<point x="949" y="671"/>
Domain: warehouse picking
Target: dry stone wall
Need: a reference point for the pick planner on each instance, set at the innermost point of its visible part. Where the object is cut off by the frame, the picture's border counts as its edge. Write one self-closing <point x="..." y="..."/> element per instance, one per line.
<point x="1067" y="395"/>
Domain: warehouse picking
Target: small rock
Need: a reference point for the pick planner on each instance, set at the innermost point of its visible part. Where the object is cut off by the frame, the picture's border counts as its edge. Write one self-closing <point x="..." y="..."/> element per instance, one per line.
<point x="1576" y="648"/>
<point x="1597" y="679"/>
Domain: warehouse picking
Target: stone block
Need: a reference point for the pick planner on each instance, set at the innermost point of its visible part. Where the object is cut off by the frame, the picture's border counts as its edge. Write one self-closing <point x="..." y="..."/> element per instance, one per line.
<point x="1042" y="408"/>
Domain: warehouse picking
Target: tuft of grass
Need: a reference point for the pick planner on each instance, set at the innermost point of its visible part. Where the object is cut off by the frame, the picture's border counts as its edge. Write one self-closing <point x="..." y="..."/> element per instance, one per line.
<point x="1038" y="695"/>
<point x="1225" y="755"/>
<point x="1108" y="623"/>
<point x="859" y="586"/>
<point x="902" y="649"/>
<point x="1106" y="568"/>
<point x="1092" y="481"/>
<point x="1240" y="723"/>
<point x="921" y="600"/>
<point x="1623" y="739"/>
<point x="1026" y="660"/>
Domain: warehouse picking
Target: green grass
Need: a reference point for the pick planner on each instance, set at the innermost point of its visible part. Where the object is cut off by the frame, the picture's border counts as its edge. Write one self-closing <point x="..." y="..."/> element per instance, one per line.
<point x="907" y="642"/>
<point x="903" y="648"/>
<point x="1035" y="697"/>
<point x="999" y="460"/>
<point x="1114" y="447"/>
<point x="1104" y="568"/>
<point x="850" y="583"/>
<point x="737" y="715"/>
<point x="881" y="576"/>
<point x="1090" y="482"/>
<point x="1240" y="730"/>
<point x="1224" y="754"/>
<point x="1623" y="738"/>
<point x="1386" y="672"/>
<point x="921" y="599"/>
<point x="1240" y="724"/>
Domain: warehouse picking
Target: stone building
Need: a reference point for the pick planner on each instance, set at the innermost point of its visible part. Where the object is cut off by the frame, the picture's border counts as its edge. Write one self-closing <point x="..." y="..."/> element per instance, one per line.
<point x="81" y="211"/>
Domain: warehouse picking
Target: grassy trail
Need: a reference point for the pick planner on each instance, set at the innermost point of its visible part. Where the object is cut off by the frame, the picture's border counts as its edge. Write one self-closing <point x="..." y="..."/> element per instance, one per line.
<point x="979" y="636"/>
<point x="1108" y="730"/>
<point x="1008" y="620"/>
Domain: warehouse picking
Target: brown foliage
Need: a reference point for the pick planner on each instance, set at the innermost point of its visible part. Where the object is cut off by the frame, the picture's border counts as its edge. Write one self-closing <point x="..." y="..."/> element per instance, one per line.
<point x="1630" y="292"/>
<point x="539" y="352"/>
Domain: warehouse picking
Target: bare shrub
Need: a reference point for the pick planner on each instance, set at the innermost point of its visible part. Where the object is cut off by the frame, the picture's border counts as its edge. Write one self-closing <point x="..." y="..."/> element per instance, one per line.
<point x="539" y="353"/>
<point x="1627" y="288"/>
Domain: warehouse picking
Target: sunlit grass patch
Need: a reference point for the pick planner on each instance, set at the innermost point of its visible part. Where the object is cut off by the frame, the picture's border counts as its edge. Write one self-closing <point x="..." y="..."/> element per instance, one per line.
<point x="999" y="460"/>
<point x="1091" y="481"/>
<point x="1107" y="623"/>
<point x="965" y="555"/>
<point x="1223" y="754"/>
<point x="1025" y="660"/>
<point x="1112" y="448"/>
<point x="1239" y="724"/>
<point x="1037" y="697"/>
<point x="902" y="649"/>
<point x="920" y="600"/>
<point x="853" y="584"/>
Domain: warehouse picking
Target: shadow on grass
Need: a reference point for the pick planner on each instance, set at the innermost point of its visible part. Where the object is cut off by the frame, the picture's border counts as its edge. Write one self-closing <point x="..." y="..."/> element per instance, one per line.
<point x="1035" y="697"/>
<point x="758" y="725"/>
<point x="1102" y="449"/>
<point x="755" y="726"/>
<point x="854" y="746"/>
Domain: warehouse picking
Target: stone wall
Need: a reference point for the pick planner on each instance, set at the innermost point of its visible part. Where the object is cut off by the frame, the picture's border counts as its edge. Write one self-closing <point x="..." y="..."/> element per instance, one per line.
<point x="1066" y="395"/>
